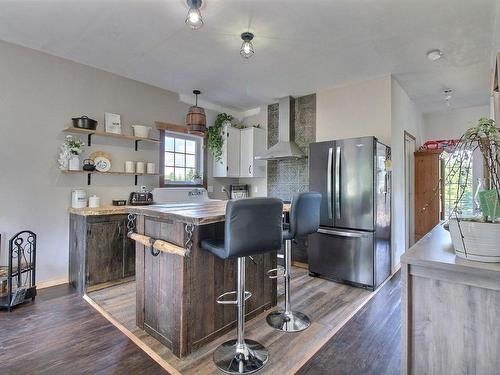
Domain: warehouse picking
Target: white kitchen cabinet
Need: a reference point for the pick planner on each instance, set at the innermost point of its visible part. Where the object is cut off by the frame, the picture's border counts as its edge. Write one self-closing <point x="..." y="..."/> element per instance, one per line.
<point x="229" y="165"/>
<point x="253" y="143"/>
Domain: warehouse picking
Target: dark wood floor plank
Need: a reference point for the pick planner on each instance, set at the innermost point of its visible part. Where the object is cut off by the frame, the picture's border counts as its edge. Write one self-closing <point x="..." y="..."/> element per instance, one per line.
<point x="370" y="343"/>
<point x="61" y="334"/>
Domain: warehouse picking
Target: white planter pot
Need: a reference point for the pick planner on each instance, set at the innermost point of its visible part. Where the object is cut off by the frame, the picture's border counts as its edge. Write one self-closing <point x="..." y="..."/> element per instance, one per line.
<point x="74" y="163"/>
<point x="475" y="240"/>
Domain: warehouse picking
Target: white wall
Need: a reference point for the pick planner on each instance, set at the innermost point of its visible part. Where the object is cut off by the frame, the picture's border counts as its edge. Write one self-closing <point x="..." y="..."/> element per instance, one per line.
<point x="451" y="124"/>
<point x="39" y="94"/>
<point x="258" y="186"/>
<point x="404" y="117"/>
<point x="356" y="110"/>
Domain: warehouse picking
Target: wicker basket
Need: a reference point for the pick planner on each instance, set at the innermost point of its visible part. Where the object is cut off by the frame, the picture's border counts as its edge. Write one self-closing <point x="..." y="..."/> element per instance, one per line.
<point x="475" y="240"/>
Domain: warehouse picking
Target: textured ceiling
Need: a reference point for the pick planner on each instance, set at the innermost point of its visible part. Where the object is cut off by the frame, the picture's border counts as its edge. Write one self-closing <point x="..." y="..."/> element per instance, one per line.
<point x="301" y="46"/>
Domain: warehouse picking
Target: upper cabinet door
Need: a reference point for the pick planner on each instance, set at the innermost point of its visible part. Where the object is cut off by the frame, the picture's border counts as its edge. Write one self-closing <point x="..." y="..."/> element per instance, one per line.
<point x="246" y="155"/>
<point x="253" y="143"/>
<point x="229" y="165"/>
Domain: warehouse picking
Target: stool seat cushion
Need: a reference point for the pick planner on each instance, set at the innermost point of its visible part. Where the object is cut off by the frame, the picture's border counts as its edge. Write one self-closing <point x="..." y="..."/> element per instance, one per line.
<point x="215" y="246"/>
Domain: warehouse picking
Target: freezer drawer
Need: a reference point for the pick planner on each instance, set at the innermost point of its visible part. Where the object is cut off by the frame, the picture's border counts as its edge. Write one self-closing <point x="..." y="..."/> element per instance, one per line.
<point x="342" y="255"/>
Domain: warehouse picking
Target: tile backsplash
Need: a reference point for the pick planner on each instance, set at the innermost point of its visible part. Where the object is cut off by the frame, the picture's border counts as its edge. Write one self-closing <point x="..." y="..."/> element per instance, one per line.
<point x="287" y="177"/>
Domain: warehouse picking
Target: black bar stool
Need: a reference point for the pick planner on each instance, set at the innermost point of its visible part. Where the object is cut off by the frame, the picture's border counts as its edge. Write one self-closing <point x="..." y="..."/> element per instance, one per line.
<point x="253" y="226"/>
<point x="304" y="220"/>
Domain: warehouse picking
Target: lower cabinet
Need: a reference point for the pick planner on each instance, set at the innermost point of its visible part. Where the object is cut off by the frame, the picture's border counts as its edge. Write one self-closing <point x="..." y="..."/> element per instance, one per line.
<point x="99" y="250"/>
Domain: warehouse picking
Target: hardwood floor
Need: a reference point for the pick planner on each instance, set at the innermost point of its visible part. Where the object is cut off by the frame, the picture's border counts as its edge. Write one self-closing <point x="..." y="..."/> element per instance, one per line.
<point x="328" y="304"/>
<point x="60" y="333"/>
<point x="370" y="343"/>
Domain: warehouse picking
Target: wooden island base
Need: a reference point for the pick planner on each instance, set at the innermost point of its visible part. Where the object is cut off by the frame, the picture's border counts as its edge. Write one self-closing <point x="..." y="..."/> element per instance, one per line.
<point x="176" y="295"/>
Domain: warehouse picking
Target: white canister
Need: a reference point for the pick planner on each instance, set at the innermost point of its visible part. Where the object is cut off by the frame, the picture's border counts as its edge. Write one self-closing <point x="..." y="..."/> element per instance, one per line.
<point x="151" y="168"/>
<point x="94" y="201"/>
<point x="140" y="167"/>
<point x="78" y="199"/>
<point x="129" y="167"/>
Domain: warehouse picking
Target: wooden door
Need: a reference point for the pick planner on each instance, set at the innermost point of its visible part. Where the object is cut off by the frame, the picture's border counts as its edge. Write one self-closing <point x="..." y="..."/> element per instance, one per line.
<point x="104" y="252"/>
<point x="428" y="188"/>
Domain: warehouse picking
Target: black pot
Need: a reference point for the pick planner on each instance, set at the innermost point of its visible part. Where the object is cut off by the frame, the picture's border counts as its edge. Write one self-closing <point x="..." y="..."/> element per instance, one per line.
<point x="88" y="165"/>
<point x="84" y="123"/>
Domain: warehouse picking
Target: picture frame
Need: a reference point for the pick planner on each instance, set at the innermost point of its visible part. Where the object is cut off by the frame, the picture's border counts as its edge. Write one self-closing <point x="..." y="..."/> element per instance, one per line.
<point x="112" y="123"/>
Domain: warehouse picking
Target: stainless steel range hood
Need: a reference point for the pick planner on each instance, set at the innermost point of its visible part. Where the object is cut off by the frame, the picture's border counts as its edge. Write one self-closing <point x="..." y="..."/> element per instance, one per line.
<point x="286" y="147"/>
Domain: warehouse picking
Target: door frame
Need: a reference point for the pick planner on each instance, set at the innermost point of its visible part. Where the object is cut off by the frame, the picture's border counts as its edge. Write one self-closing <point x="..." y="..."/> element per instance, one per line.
<point x="409" y="205"/>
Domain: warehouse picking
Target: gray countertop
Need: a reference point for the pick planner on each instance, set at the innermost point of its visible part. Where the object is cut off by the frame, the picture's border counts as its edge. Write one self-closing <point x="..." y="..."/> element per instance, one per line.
<point x="436" y="250"/>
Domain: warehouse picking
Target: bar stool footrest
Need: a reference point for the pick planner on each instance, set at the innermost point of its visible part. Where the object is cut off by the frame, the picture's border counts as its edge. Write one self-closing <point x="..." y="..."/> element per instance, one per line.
<point x="220" y="300"/>
<point x="280" y="272"/>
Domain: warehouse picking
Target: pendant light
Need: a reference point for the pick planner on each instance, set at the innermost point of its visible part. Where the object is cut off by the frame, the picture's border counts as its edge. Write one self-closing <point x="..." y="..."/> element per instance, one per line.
<point x="247" y="50"/>
<point x="194" y="19"/>
<point x="196" y="120"/>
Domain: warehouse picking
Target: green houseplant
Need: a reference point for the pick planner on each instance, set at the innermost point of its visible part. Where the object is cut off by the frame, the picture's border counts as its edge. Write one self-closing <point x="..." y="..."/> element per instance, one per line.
<point x="477" y="237"/>
<point x="215" y="136"/>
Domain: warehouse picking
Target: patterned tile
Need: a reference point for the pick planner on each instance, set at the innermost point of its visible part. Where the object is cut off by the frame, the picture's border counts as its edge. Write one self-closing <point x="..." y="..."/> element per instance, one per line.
<point x="287" y="177"/>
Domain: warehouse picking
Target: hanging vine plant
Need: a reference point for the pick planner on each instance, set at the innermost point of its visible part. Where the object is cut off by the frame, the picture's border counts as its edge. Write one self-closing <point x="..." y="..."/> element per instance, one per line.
<point x="215" y="136"/>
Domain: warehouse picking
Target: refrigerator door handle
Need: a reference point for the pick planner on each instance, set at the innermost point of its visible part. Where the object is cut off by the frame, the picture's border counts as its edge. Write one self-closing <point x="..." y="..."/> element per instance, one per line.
<point x="344" y="234"/>
<point x="338" y="156"/>
<point x="329" y="182"/>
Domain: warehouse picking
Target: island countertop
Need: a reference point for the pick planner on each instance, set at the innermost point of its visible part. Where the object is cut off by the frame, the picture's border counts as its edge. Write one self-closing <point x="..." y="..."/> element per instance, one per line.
<point x="436" y="250"/>
<point x="191" y="213"/>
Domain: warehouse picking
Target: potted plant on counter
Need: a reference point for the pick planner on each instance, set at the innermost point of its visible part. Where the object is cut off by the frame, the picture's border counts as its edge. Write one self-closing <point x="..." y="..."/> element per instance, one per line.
<point x="477" y="237"/>
<point x="215" y="136"/>
<point x="197" y="179"/>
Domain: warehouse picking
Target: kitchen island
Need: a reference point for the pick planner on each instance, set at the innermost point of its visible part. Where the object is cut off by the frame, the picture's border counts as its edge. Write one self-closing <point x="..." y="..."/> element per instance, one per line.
<point x="449" y="306"/>
<point x="176" y="291"/>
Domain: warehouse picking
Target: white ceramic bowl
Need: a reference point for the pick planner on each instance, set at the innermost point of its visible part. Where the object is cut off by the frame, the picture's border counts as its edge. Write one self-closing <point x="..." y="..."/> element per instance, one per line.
<point x="141" y="131"/>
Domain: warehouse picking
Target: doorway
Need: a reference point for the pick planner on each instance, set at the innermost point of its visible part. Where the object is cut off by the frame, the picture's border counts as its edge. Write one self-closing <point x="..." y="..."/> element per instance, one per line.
<point x="410" y="146"/>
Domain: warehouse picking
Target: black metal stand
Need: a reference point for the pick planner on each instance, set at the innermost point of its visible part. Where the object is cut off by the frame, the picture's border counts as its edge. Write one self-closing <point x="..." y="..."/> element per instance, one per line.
<point x="19" y="276"/>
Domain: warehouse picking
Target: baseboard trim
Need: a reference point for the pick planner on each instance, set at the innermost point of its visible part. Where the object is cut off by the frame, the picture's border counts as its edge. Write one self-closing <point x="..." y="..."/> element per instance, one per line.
<point x="49" y="283"/>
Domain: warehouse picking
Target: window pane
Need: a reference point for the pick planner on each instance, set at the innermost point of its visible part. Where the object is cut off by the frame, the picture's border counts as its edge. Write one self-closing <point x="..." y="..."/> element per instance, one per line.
<point x="190" y="147"/>
<point x="169" y="144"/>
<point x="169" y="159"/>
<point x="180" y="145"/>
<point x="190" y="161"/>
<point x="169" y="174"/>
<point x="179" y="160"/>
<point x="180" y="174"/>
<point x="189" y="174"/>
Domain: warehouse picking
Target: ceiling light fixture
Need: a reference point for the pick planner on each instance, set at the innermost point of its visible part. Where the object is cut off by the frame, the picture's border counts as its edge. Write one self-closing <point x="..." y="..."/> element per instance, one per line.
<point x="247" y="50"/>
<point x="194" y="19"/>
<point x="434" y="55"/>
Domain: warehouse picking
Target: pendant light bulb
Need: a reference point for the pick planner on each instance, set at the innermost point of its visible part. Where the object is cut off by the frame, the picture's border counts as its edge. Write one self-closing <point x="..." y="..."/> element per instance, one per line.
<point x="247" y="50"/>
<point x="194" y="19"/>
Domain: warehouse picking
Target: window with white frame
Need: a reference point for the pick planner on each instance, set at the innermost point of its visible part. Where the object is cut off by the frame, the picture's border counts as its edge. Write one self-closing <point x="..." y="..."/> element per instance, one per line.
<point x="183" y="159"/>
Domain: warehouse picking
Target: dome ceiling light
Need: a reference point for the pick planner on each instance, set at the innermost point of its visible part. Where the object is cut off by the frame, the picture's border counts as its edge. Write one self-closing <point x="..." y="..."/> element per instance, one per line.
<point x="194" y="19"/>
<point x="247" y="50"/>
<point x="434" y="55"/>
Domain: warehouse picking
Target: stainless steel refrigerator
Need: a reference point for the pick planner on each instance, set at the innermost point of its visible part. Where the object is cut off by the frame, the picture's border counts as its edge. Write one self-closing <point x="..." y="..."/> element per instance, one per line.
<point x="353" y="244"/>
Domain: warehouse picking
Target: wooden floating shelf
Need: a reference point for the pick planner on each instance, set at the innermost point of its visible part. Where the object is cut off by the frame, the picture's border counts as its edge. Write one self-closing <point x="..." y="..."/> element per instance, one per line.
<point x="90" y="173"/>
<point x="90" y="133"/>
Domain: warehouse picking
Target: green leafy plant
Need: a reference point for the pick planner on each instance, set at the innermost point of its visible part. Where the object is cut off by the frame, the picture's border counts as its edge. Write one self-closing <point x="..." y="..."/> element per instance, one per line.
<point x="485" y="136"/>
<point x="215" y="136"/>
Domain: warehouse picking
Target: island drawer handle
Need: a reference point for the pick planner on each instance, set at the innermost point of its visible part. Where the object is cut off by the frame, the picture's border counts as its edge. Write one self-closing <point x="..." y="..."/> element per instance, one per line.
<point x="159" y="245"/>
<point x="220" y="299"/>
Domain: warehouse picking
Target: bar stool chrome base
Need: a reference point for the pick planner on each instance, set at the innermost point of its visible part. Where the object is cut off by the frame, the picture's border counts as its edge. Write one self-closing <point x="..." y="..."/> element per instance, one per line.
<point x="294" y="321"/>
<point x="245" y="360"/>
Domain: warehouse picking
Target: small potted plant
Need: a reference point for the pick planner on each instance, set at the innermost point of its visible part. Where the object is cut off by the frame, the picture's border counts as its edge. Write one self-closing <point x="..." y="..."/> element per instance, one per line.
<point x="478" y="237"/>
<point x="197" y="179"/>
<point x="69" y="155"/>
